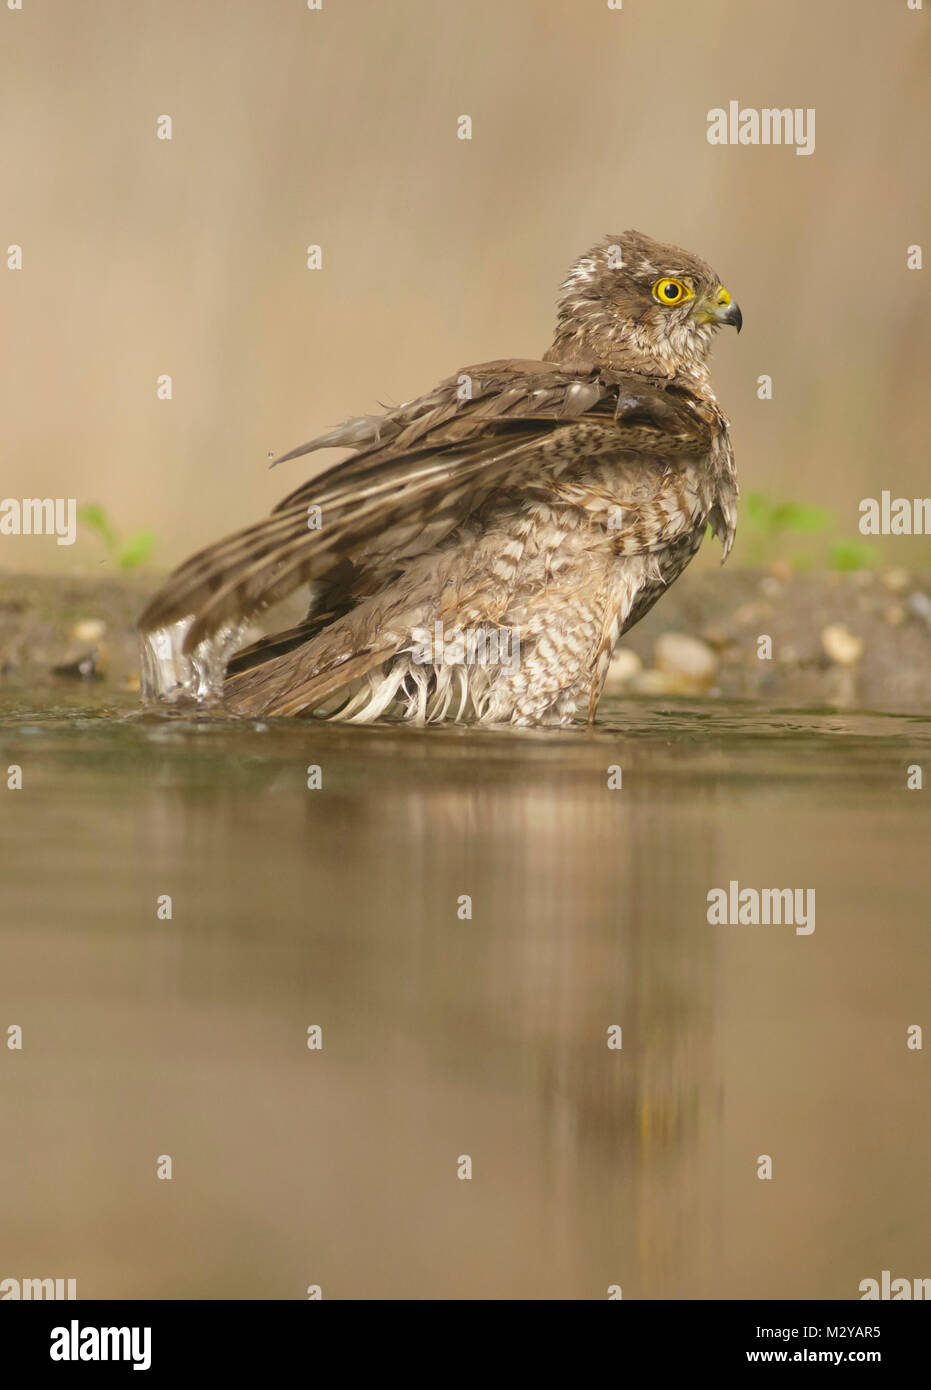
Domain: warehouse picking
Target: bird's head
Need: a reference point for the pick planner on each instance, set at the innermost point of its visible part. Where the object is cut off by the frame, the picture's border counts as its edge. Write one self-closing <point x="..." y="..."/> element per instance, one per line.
<point x="637" y="305"/>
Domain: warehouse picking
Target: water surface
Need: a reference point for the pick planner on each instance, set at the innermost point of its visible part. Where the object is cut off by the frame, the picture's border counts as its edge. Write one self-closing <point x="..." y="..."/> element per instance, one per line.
<point x="446" y="1036"/>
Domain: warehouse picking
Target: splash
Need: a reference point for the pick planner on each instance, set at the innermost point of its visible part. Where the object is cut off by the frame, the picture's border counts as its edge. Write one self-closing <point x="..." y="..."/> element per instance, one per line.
<point x="172" y="676"/>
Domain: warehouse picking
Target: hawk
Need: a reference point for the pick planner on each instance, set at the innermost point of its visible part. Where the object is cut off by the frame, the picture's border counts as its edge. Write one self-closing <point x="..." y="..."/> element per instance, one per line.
<point x="481" y="552"/>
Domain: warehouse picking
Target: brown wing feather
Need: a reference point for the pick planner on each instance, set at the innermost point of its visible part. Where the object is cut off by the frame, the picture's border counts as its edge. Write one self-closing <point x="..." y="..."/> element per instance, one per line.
<point x="419" y="471"/>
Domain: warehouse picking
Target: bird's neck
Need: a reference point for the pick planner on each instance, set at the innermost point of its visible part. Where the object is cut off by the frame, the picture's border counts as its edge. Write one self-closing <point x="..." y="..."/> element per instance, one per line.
<point x="628" y="347"/>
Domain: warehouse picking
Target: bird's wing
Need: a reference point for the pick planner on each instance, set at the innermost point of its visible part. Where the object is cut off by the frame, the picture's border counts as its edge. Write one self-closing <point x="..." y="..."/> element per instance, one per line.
<point x="419" y="471"/>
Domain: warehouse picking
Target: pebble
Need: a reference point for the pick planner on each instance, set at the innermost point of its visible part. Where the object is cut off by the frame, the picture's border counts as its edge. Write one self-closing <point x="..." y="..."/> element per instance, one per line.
<point x="687" y="661"/>
<point x="90" y="666"/>
<point x="746" y="614"/>
<point x="625" y="666"/>
<point x="841" y="646"/>
<point x="920" y="605"/>
<point x="653" y="682"/>
<point x="897" y="581"/>
<point x="717" y="637"/>
<point x="87" y="631"/>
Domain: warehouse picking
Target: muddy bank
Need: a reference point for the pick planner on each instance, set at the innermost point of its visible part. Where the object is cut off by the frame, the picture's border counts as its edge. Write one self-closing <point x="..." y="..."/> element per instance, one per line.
<point x="853" y="640"/>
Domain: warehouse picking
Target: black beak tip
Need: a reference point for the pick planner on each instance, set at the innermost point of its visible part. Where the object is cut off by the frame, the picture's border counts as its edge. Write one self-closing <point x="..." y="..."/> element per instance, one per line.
<point x="738" y="318"/>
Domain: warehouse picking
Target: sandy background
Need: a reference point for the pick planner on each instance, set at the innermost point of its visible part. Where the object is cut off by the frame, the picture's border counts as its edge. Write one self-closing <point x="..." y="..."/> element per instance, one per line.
<point x="338" y="127"/>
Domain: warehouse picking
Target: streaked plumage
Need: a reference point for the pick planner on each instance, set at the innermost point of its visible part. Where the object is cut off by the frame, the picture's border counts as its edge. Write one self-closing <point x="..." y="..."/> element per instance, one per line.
<point x="549" y="501"/>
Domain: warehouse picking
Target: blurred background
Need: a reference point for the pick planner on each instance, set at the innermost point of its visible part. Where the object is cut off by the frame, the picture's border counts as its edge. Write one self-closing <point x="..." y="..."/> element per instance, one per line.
<point x="338" y="127"/>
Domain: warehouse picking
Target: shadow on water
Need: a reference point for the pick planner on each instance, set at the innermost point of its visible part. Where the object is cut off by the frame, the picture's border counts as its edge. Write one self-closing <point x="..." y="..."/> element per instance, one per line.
<point x="445" y="1036"/>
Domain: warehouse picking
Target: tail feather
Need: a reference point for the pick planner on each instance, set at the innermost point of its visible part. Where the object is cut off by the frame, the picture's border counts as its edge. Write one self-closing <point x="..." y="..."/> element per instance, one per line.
<point x="283" y="685"/>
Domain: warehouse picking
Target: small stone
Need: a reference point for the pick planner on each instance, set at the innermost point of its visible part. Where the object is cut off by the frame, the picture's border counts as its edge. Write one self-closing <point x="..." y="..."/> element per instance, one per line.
<point x="688" y="663"/>
<point x="896" y="581"/>
<point x="652" y="682"/>
<point x="625" y="665"/>
<point x="920" y="605"/>
<point x="88" y="631"/>
<point x="841" y="646"/>
<point x="717" y="637"/>
<point x="89" y="667"/>
<point x="895" y="615"/>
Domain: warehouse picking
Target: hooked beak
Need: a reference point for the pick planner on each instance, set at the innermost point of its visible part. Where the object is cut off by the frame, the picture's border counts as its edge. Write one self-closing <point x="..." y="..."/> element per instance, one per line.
<point x="725" y="311"/>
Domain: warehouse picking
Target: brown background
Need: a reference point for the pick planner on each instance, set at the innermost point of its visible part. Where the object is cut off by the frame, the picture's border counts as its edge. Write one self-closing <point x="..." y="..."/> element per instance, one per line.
<point x="338" y="127"/>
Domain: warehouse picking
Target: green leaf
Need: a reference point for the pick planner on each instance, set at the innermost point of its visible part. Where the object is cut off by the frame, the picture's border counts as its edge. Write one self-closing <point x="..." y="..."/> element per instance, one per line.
<point x="810" y="518"/>
<point x="756" y="508"/>
<point x="849" y="555"/>
<point x="96" y="518"/>
<point x="136" y="550"/>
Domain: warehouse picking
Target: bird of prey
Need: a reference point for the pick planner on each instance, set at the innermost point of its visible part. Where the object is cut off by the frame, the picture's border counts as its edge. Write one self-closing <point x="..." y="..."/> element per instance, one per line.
<point x="479" y="555"/>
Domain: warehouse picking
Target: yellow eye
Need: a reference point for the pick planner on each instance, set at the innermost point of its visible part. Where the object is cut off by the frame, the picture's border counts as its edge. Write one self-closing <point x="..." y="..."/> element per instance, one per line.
<point x="668" y="291"/>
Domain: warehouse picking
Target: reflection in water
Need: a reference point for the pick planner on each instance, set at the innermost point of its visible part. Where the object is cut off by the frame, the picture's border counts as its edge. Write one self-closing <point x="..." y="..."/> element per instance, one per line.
<point x="446" y="1035"/>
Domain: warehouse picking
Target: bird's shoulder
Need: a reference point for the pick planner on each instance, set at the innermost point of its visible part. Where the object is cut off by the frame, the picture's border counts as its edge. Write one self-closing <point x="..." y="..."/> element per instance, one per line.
<point x="509" y="398"/>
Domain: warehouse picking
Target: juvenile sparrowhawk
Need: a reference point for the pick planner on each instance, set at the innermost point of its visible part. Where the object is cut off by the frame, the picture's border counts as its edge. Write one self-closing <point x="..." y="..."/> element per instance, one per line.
<point x="485" y="546"/>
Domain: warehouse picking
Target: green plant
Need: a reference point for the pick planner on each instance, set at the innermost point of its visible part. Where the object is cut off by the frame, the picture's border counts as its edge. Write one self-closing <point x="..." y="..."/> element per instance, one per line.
<point x="849" y="555"/>
<point x="775" y="518"/>
<point x="771" y="530"/>
<point x="127" y="554"/>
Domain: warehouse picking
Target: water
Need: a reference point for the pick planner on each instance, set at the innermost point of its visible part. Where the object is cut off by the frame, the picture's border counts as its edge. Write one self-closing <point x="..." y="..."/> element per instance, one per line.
<point x="168" y="676"/>
<point x="444" y="1037"/>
